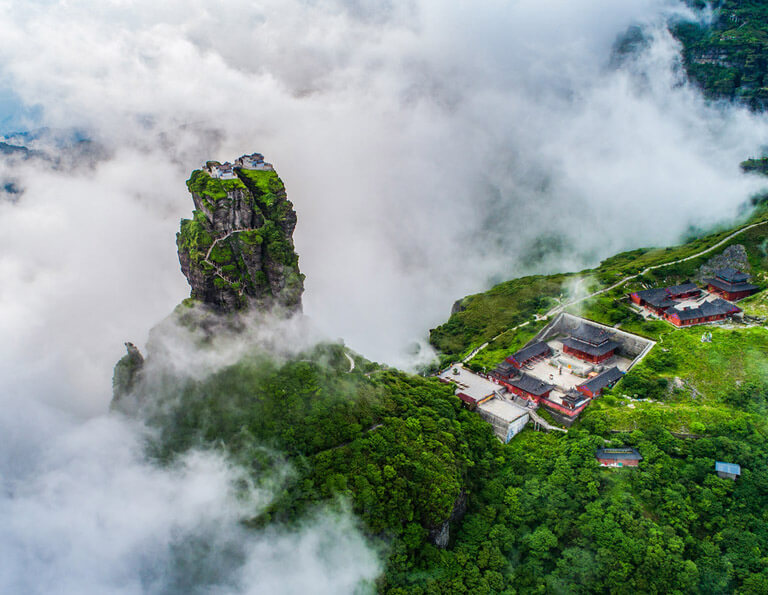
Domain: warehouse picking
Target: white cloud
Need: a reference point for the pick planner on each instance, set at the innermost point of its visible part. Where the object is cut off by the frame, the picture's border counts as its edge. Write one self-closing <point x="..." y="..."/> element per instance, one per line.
<point x="81" y="512"/>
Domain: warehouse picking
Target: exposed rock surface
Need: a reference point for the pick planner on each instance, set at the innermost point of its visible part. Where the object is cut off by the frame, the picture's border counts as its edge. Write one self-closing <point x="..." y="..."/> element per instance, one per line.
<point x="440" y="536"/>
<point x="458" y="306"/>
<point x="237" y="250"/>
<point x="734" y="256"/>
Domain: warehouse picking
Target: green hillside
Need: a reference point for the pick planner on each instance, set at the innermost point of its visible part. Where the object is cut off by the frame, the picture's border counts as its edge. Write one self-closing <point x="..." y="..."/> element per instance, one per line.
<point x="541" y="515"/>
<point x="537" y="515"/>
<point x="488" y="316"/>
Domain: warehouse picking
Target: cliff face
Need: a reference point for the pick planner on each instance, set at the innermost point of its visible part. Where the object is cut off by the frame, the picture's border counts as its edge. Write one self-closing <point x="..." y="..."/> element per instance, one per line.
<point x="728" y="58"/>
<point x="237" y="250"/>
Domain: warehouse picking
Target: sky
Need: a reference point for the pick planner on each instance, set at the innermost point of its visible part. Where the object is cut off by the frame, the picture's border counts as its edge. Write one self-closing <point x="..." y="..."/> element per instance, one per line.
<point x="429" y="149"/>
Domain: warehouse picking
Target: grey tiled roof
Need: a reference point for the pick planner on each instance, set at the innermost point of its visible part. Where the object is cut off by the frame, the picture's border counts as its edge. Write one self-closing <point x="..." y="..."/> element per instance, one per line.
<point x="731" y="287"/>
<point x="716" y="307"/>
<point x="731" y="275"/>
<point x="590" y="334"/>
<point x="589" y="348"/>
<point x="531" y="385"/>
<point x="530" y="351"/>
<point x="622" y="454"/>
<point x="606" y="378"/>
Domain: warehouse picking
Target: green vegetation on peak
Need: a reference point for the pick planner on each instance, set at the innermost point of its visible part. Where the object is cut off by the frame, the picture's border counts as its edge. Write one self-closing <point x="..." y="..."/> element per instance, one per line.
<point x="212" y="189"/>
<point x="194" y="236"/>
<point x="266" y="185"/>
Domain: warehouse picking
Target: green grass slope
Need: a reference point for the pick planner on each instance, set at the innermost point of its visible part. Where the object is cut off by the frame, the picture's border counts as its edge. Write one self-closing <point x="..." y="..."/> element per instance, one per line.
<point x="490" y="315"/>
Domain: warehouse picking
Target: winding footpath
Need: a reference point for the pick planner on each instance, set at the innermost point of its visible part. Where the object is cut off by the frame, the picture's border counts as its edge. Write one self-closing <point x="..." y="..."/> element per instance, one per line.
<point x="474" y="352"/>
<point x="564" y="305"/>
<point x="216" y="267"/>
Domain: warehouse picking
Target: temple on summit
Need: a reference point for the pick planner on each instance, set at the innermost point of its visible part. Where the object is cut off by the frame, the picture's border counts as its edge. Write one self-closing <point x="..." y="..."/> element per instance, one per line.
<point x="590" y="343"/>
<point x="731" y="284"/>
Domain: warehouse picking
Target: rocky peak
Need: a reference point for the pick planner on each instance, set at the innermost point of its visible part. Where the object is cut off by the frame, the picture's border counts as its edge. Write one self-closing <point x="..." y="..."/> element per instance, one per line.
<point x="127" y="373"/>
<point x="237" y="249"/>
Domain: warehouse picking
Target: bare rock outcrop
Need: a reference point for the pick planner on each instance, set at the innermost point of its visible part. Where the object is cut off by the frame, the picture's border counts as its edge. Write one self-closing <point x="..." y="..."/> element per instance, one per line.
<point x="734" y="256"/>
<point x="440" y="535"/>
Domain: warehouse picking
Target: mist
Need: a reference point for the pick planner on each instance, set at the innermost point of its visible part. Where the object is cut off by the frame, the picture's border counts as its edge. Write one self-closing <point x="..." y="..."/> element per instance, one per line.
<point x="84" y="512"/>
<point x="430" y="150"/>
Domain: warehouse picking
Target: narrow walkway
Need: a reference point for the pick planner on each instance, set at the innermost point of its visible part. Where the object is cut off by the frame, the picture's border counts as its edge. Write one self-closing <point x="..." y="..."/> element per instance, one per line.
<point x="564" y="305"/>
<point x="351" y="361"/>
<point x="217" y="240"/>
<point x="544" y="423"/>
<point x="474" y="352"/>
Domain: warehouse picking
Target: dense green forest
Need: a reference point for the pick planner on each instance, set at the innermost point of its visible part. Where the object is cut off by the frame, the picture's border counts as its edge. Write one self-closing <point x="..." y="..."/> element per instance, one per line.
<point x="541" y="515"/>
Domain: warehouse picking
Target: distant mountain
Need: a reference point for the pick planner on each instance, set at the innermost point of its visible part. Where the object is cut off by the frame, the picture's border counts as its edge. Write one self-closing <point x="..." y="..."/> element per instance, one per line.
<point x="727" y="55"/>
<point x="54" y="149"/>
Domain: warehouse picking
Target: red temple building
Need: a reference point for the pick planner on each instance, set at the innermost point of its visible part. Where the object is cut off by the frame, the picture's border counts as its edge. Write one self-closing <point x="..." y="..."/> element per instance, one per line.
<point x="707" y="312"/>
<point x="573" y="403"/>
<point x="590" y="343"/>
<point x="660" y="299"/>
<point x="618" y="457"/>
<point x="503" y="372"/>
<point x="529" y="387"/>
<point x="594" y="386"/>
<point x="529" y="354"/>
<point x="684" y="291"/>
<point x="731" y="284"/>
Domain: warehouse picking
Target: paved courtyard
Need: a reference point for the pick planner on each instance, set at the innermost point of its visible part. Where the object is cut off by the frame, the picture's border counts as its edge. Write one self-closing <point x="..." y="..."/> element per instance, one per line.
<point x="567" y="378"/>
<point x="470" y="383"/>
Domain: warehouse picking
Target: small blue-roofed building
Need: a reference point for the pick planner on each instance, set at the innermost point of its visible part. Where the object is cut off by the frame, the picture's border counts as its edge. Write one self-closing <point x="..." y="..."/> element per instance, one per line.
<point x="727" y="470"/>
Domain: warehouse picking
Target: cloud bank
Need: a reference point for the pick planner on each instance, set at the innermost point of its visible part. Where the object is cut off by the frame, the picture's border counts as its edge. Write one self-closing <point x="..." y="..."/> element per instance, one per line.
<point x="83" y="512"/>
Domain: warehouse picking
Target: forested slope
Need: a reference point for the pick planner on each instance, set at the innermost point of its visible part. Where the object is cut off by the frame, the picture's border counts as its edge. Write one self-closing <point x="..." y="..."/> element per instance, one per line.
<point x="728" y="57"/>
